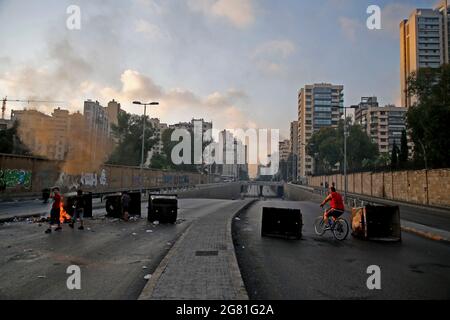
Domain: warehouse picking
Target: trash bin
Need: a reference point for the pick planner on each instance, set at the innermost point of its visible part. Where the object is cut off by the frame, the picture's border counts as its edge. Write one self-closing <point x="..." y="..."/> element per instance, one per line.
<point x="135" y="204"/>
<point x="378" y="223"/>
<point x="280" y="222"/>
<point x="68" y="202"/>
<point x="163" y="208"/>
<point x="87" y="199"/>
<point x="114" y="205"/>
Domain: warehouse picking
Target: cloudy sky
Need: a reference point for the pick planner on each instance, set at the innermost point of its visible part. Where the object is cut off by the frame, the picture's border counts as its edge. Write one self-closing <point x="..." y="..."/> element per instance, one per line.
<point x="239" y="63"/>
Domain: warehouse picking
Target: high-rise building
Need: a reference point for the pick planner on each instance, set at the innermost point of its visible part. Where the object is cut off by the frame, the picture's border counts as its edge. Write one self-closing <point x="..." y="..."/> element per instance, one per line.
<point x="113" y="109"/>
<point x="424" y="43"/>
<point x="384" y="125"/>
<point x="319" y="105"/>
<point x="284" y="150"/>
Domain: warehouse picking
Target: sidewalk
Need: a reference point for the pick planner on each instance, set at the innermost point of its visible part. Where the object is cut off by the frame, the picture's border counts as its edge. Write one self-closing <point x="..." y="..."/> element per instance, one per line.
<point x="424" y="231"/>
<point x="202" y="264"/>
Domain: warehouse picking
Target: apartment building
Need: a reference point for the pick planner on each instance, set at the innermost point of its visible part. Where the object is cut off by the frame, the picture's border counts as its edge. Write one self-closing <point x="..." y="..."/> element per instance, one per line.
<point x="319" y="105"/>
<point x="424" y="43"/>
<point x="384" y="125"/>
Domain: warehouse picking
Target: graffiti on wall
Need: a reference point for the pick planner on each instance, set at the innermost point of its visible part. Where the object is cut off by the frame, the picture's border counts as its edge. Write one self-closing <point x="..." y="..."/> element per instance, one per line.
<point x="73" y="182"/>
<point x="14" y="178"/>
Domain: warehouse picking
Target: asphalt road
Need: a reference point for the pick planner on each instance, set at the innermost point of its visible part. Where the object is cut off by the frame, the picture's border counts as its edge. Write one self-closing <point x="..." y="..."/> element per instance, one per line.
<point x="112" y="255"/>
<point x="323" y="268"/>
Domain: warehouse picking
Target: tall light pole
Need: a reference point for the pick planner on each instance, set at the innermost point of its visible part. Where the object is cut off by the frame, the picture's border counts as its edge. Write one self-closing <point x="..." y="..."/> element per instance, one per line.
<point x="143" y="137"/>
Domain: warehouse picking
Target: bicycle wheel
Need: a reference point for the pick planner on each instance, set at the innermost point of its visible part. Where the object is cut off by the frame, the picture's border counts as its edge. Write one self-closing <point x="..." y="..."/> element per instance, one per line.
<point x="340" y="230"/>
<point x="319" y="226"/>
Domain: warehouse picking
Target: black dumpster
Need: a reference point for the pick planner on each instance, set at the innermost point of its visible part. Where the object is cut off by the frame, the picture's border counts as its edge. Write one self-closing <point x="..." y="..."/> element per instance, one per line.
<point x="135" y="204"/>
<point x="87" y="202"/>
<point x="114" y="205"/>
<point x="163" y="208"/>
<point x="378" y="223"/>
<point x="280" y="222"/>
<point x="68" y="202"/>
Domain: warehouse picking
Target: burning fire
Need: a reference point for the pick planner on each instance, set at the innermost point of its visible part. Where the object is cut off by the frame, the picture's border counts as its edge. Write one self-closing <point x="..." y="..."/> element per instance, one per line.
<point x="63" y="215"/>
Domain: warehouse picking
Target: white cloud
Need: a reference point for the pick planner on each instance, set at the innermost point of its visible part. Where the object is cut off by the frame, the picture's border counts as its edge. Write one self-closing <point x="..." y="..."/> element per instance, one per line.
<point x="219" y="107"/>
<point x="392" y="14"/>
<point x="350" y="27"/>
<point x="270" y="56"/>
<point x="240" y="13"/>
<point x="151" y="31"/>
<point x="151" y="5"/>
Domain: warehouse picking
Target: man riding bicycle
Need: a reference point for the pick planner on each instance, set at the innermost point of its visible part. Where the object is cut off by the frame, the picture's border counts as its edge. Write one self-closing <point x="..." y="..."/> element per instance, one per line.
<point x="336" y="205"/>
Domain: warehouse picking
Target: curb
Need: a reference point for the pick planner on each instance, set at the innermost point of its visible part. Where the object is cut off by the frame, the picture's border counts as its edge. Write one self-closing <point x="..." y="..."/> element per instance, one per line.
<point x="426" y="235"/>
<point x="235" y="270"/>
<point x="148" y="290"/>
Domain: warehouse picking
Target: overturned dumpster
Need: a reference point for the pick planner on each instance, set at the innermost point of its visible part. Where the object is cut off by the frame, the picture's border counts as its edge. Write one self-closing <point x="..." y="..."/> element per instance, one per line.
<point x="70" y="200"/>
<point x="377" y="223"/>
<point x="135" y="204"/>
<point x="281" y="222"/>
<point x="114" y="205"/>
<point x="162" y="208"/>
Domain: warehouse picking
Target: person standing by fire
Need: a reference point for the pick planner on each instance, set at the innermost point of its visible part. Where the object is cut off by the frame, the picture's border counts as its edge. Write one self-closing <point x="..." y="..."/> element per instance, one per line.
<point x="55" y="211"/>
<point x="78" y="213"/>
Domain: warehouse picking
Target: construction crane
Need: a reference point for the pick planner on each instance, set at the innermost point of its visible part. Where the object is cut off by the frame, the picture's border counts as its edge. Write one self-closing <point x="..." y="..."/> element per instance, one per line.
<point x="5" y="99"/>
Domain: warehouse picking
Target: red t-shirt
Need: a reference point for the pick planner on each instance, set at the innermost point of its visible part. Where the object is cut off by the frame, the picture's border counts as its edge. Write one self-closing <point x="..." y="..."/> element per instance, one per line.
<point x="336" y="201"/>
<point x="56" y="201"/>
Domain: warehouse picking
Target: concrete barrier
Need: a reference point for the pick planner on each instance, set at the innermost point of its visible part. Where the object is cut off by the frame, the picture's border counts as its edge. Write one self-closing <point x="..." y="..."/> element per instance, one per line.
<point x="217" y="191"/>
<point x="300" y="193"/>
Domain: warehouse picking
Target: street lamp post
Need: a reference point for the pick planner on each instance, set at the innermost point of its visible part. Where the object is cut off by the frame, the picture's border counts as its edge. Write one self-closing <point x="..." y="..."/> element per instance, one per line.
<point x="143" y="137"/>
<point x="345" y="154"/>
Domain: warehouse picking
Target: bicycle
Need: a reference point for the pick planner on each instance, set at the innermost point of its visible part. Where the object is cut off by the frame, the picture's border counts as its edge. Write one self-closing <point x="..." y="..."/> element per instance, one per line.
<point x="339" y="227"/>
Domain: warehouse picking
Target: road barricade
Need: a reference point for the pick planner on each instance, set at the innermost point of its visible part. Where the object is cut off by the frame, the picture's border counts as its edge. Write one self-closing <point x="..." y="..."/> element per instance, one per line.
<point x="163" y="208"/>
<point x="280" y="222"/>
<point x="135" y="204"/>
<point x="378" y="223"/>
<point x="87" y="205"/>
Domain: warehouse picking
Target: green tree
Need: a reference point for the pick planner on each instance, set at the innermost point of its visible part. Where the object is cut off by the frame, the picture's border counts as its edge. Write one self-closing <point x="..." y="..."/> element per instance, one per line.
<point x="10" y="142"/>
<point x="128" y="134"/>
<point x="326" y="146"/>
<point x="428" y="118"/>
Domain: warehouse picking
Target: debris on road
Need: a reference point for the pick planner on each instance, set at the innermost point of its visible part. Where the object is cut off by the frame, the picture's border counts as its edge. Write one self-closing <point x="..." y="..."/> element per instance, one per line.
<point x="149" y="231"/>
<point x="148" y="277"/>
<point x="42" y="277"/>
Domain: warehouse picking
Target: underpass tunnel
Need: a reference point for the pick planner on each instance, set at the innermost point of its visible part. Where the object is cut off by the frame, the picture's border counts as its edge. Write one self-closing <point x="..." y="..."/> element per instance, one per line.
<point x="254" y="190"/>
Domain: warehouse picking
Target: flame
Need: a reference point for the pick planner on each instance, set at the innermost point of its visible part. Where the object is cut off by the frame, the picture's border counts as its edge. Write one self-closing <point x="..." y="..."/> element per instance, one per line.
<point x="63" y="216"/>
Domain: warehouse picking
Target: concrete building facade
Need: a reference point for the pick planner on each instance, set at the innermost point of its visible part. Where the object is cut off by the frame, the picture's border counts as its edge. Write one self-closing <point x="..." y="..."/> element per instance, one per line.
<point x="319" y="106"/>
<point x="384" y="125"/>
<point x="424" y="43"/>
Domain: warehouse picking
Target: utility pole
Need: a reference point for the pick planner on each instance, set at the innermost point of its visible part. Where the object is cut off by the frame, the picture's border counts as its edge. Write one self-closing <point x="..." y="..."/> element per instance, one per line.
<point x="345" y="154"/>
